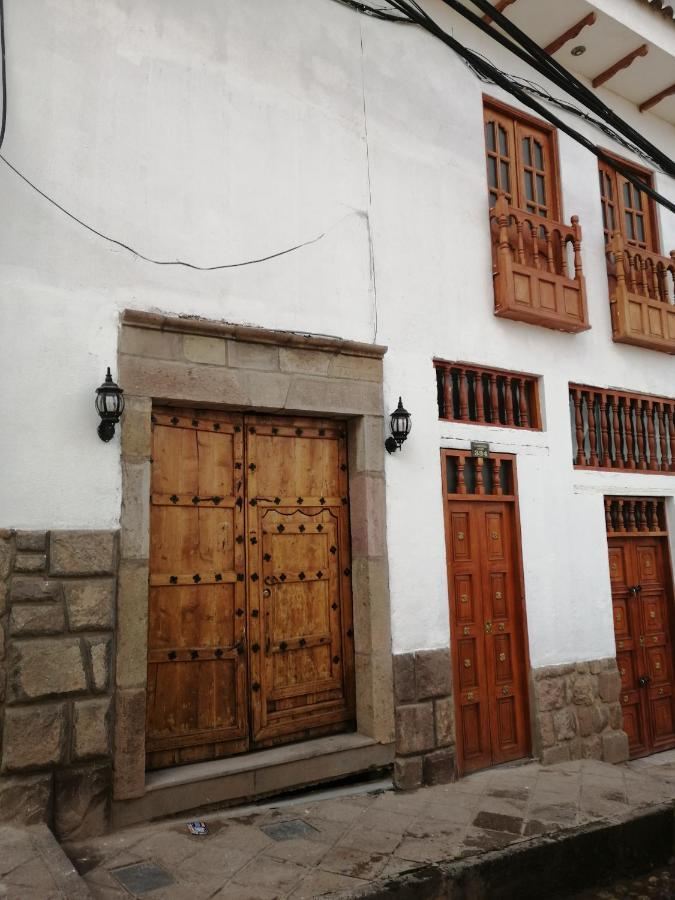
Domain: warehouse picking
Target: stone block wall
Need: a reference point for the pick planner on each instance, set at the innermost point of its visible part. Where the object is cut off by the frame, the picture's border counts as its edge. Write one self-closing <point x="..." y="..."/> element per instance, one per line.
<point x="577" y="714"/>
<point x="425" y="733"/>
<point x="57" y="611"/>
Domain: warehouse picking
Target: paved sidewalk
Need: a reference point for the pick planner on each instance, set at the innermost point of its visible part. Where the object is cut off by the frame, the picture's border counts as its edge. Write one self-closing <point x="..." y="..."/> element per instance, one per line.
<point x="343" y="843"/>
<point x="34" y="867"/>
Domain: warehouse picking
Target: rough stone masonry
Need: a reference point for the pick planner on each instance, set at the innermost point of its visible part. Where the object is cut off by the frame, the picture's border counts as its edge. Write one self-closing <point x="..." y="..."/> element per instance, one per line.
<point x="57" y="612"/>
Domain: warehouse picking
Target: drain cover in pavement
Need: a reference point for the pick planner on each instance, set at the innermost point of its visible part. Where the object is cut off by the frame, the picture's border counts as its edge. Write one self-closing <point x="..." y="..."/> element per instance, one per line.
<point x="286" y="831"/>
<point x="142" y="877"/>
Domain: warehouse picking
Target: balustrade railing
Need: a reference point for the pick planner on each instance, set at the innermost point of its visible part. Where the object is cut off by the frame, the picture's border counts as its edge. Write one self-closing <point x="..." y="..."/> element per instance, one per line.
<point x="635" y="515"/>
<point x="485" y="396"/>
<point x="642" y="295"/>
<point x="538" y="271"/>
<point x="622" y="430"/>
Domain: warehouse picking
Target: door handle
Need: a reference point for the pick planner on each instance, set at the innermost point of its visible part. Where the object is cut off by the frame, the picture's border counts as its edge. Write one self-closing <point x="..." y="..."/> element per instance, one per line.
<point x="635" y="589"/>
<point x="270" y="579"/>
<point x="488" y="627"/>
<point x="644" y="680"/>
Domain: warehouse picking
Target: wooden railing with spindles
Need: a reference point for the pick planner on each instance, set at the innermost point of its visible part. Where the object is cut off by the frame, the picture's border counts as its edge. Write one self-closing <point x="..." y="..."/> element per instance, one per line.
<point x="642" y="295"/>
<point x="635" y="515"/>
<point x="622" y="430"/>
<point x="468" y="475"/>
<point x="536" y="279"/>
<point x="484" y="396"/>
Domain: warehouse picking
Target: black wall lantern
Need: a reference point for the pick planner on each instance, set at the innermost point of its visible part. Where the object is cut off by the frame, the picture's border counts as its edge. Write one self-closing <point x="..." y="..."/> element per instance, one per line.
<point x="109" y="405"/>
<point x="400" y="424"/>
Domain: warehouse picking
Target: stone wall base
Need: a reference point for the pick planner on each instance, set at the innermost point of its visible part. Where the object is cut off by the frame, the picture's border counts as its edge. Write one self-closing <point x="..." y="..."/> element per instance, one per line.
<point x="425" y="733"/>
<point x="577" y="714"/>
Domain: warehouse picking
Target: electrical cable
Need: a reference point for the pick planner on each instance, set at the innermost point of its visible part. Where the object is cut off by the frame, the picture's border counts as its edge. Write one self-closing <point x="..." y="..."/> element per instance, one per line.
<point x="3" y="122"/>
<point x="411" y="9"/>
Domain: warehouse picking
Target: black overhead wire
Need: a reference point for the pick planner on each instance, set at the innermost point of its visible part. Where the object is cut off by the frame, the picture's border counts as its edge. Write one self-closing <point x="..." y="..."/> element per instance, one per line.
<point x="483" y="67"/>
<point x="556" y="72"/>
<point x="3" y="122"/>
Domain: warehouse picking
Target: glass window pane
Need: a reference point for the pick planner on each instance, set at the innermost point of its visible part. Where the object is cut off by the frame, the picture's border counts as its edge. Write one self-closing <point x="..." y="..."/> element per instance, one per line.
<point x="538" y="155"/>
<point x="626" y="193"/>
<point x="610" y="188"/>
<point x="490" y="135"/>
<point x="640" y="228"/>
<point x="637" y="199"/>
<point x="604" y="215"/>
<point x="504" y="177"/>
<point x="602" y="182"/>
<point x="503" y="143"/>
<point x="541" y="189"/>
<point x="612" y="220"/>
<point x="527" y="152"/>
<point x="529" y="186"/>
<point x="492" y="171"/>
<point x="630" y="231"/>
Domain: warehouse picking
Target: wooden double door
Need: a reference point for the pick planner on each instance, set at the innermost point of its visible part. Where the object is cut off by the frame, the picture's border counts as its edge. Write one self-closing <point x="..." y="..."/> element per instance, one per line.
<point x="487" y="630"/>
<point x="642" y="608"/>
<point x="250" y="635"/>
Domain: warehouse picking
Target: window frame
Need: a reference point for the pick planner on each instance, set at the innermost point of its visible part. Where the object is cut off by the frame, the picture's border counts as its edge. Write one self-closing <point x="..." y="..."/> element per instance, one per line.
<point x="520" y="121"/>
<point x="653" y="244"/>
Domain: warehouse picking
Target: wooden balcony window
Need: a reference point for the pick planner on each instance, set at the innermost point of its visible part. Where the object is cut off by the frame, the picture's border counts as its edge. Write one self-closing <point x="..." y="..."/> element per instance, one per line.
<point x="635" y="515"/>
<point x="465" y="474"/>
<point x="482" y="396"/>
<point x="621" y="430"/>
<point x="641" y="280"/>
<point x="537" y="268"/>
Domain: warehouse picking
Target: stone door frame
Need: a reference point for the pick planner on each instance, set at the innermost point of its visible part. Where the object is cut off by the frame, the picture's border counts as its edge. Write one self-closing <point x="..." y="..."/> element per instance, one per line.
<point x="196" y="362"/>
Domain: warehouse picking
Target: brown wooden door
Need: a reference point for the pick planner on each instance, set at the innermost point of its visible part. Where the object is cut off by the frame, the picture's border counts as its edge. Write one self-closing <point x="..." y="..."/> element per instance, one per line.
<point x="250" y="639"/>
<point x="642" y="626"/>
<point x="487" y="633"/>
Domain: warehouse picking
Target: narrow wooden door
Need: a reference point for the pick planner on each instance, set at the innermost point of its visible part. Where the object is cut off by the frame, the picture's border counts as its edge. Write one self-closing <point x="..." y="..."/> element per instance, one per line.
<point x="250" y="636"/>
<point x="197" y="686"/>
<point x="487" y="633"/>
<point x="301" y="651"/>
<point x="642" y="625"/>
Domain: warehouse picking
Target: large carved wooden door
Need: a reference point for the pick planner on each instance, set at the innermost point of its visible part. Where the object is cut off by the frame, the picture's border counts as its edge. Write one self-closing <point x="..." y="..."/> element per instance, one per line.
<point x="642" y="609"/>
<point x="250" y="639"/>
<point x="486" y="611"/>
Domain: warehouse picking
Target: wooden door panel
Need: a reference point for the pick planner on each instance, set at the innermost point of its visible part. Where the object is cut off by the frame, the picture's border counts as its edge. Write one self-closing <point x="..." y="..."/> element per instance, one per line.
<point x="197" y="698"/>
<point x="643" y="640"/>
<point x="301" y="652"/>
<point x="488" y="652"/>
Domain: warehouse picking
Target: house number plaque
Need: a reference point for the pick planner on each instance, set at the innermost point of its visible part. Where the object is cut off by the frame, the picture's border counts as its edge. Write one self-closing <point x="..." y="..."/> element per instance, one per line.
<point x="480" y="449"/>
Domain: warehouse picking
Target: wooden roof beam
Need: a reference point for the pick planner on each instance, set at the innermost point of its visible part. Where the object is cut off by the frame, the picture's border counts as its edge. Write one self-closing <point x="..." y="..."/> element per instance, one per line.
<point x="652" y="101"/>
<point x="642" y="50"/>
<point x="570" y="34"/>
<point x="500" y="6"/>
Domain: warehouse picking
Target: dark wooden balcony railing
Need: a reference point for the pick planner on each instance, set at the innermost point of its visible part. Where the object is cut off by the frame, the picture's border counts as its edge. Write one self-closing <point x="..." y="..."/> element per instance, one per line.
<point x="621" y="430"/>
<point x="537" y="268"/>
<point x="485" y="396"/>
<point x="635" y="515"/>
<point x="465" y="474"/>
<point x="642" y="295"/>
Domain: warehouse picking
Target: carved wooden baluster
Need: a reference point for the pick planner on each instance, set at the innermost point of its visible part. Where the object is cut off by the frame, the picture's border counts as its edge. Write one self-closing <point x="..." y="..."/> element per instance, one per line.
<point x="579" y="423"/>
<point x="508" y="401"/>
<point x="478" y="393"/>
<point x="642" y="443"/>
<point x="657" y="515"/>
<point x="520" y="251"/>
<point x="578" y="265"/>
<point x="480" y="485"/>
<point x="627" y="407"/>
<point x="630" y="259"/>
<point x="549" y="250"/>
<point x="592" y="436"/>
<point x="461" y="484"/>
<point x="656" y="280"/>
<point x="608" y="515"/>
<point x="494" y="399"/>
<point x="535" y="245"/>
<point x="448" y="406"/>
<point x="631" y="515"/>
<point x="463" y="395"/>
<point x="621" y="522"/>
<point x="522" y="404"/>
<point x="620" y="260"/>
<point x="649" y="408"/>
<point x="603" y="409"/>
<point x="616" y="434"/>
<point x="661" y="419"/>
<point x="642" y="509"/>
<point x="497" y="476"/>
<point x="671" y="435"/>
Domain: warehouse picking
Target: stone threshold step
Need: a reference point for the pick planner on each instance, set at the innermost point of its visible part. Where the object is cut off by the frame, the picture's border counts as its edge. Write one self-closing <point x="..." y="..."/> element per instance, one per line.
<point x="252" y="776"/>
<point x="553" y="865"/>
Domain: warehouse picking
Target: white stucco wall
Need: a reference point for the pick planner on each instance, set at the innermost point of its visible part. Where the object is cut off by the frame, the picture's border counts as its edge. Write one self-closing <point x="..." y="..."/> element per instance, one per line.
<point x="226" y="131"/>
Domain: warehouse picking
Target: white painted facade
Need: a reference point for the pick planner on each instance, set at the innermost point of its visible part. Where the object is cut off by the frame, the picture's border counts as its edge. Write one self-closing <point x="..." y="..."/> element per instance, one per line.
<point x="222" y="132"/>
